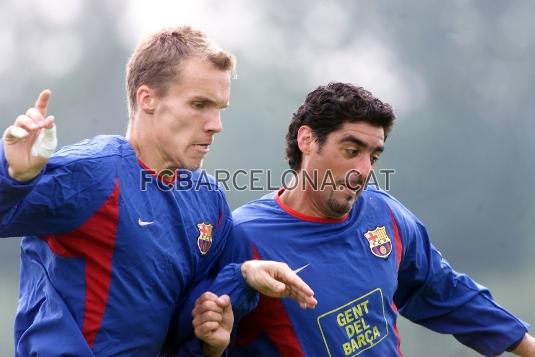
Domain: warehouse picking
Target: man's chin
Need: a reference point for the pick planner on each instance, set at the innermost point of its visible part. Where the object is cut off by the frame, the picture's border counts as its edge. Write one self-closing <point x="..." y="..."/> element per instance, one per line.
<point x="192" y="166"/>
<point x="341" y="206"/>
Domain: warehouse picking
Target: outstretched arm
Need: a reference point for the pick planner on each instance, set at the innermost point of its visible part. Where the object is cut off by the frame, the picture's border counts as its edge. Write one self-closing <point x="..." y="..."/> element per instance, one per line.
<point x="431" y="293"/>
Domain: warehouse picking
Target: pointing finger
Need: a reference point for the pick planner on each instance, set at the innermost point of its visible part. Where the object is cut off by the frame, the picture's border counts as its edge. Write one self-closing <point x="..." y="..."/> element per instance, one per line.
<point x="42" y="102"/>
<point x="294" y="281"/>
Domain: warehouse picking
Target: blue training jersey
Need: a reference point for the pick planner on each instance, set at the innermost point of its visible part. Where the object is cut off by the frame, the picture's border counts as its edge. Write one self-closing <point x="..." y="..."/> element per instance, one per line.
<point x="364" y="268"/>
<point x="110" y="251"/>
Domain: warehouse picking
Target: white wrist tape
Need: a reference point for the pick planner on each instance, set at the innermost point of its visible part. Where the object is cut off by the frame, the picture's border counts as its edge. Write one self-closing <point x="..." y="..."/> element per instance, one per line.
<point x="46" y="143"/>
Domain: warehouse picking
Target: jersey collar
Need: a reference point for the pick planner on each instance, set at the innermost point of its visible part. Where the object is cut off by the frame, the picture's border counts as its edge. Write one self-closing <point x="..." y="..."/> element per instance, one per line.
<point x="305" y="217"/>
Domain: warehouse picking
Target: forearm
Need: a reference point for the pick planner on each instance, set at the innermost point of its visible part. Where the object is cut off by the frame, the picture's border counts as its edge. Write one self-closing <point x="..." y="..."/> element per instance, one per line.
<point x="526" y="347"/>
<point x="12" y="192"/>
<point x="230" y="281"/>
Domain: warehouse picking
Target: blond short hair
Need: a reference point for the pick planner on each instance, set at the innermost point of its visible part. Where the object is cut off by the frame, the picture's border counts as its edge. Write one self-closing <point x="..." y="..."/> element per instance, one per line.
<point x="156" y="60"/>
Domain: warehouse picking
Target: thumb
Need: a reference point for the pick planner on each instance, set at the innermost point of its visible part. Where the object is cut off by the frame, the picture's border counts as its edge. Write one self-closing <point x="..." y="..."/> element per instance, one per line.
<point x="223" y="301"/>
<point x="227" y="309"/>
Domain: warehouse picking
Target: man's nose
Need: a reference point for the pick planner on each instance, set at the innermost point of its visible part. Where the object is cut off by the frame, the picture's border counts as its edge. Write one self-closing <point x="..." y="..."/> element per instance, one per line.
<point x="363" y="165"/>
<point x="214" y="123"/>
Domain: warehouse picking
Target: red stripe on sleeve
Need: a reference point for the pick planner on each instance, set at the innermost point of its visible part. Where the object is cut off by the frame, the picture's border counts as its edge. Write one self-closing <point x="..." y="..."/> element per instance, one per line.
<point x="95" y="241"/>
<point x="399" y="256"/>
<point x="219" y="219"/>
<point x="399" y="244"/>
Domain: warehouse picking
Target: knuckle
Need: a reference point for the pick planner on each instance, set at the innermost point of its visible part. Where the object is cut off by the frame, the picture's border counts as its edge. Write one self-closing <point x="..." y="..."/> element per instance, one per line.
<point x="211" y="305"/>
<point x="21" y="119"/>
<point x="34" y="114"/>
<point x="208" y="295"/>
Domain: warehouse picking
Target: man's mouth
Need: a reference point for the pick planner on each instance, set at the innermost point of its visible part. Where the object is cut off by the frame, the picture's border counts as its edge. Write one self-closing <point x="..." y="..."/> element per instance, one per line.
<point x="353" y="186"/>
<point x="202" y="147"/>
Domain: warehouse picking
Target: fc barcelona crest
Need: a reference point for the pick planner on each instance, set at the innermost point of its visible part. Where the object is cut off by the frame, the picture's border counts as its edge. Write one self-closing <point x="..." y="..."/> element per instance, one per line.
<point x="380" y="244"/>
<point x="204" y="242"/>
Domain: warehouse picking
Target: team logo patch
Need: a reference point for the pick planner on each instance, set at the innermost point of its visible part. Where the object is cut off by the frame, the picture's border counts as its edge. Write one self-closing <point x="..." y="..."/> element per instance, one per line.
<point x="380" y="244"/>
<point x="204" y="241"/>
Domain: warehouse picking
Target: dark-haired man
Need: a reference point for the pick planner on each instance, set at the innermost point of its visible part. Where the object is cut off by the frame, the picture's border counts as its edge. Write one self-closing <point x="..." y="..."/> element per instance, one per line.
<point x="105" y="263"/>
<point x="365" y="255"/>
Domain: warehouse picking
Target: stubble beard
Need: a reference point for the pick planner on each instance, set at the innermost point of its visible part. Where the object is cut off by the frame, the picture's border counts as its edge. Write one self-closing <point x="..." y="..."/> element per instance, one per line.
<point x="340" y="206"/>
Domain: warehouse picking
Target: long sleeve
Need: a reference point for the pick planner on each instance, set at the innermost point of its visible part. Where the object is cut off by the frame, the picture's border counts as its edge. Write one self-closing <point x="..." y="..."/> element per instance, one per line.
<point x="60" y="198"/>
<point x="434" y="295"/>
<point x="191" y="348"/>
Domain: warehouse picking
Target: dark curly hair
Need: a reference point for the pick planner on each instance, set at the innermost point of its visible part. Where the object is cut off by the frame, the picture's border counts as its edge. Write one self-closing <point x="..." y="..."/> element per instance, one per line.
<point x="328" y="107"/>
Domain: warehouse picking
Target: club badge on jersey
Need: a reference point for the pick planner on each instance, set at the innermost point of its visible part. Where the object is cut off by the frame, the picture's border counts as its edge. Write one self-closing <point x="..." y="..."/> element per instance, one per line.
<point x="380" y="243"/>
<point x="204" y="241"/>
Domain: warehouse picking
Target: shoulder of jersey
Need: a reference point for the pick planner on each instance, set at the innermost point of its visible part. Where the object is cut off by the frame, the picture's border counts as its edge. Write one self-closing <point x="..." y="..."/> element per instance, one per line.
<point x="109" y="147"/>
<point x="375" y="195"/>
<point x="254" y="209"/>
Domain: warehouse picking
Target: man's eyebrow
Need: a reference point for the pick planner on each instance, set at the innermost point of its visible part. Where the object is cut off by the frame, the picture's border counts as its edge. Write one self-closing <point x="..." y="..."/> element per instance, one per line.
<point x="353" y="139"/>
<point x="221" y="105"/>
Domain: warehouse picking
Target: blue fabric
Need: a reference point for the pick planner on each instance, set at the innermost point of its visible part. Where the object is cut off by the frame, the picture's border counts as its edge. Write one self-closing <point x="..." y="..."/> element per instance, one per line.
<point x="156" y="255"/>
<point x="359" y="287"/>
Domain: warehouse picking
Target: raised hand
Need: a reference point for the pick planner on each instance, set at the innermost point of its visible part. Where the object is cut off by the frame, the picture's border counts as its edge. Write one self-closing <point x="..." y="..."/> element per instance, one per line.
<point x="212" y="322"/>
<point x="277" y="280"/>
<point x="30" y="141"/>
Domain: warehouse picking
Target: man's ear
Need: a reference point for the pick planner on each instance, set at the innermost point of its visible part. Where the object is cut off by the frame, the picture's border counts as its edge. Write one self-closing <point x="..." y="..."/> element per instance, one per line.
<point x="305" y="139"/>
<point x="146" y="99"/>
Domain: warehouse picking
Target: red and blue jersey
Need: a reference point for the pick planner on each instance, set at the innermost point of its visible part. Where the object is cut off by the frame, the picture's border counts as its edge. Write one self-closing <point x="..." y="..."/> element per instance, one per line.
<point x="364" y="268"/>
<point x="109" y="250"/>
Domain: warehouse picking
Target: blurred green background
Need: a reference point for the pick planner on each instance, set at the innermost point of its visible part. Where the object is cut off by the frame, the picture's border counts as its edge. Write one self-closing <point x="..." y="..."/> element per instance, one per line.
<point x="459" y="75"/>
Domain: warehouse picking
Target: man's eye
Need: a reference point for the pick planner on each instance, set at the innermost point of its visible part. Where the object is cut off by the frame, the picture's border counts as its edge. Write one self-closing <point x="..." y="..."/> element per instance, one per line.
<point x="374" y="159"/>
<point x="199" y="105"/>
<point x="352" y="152"/>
